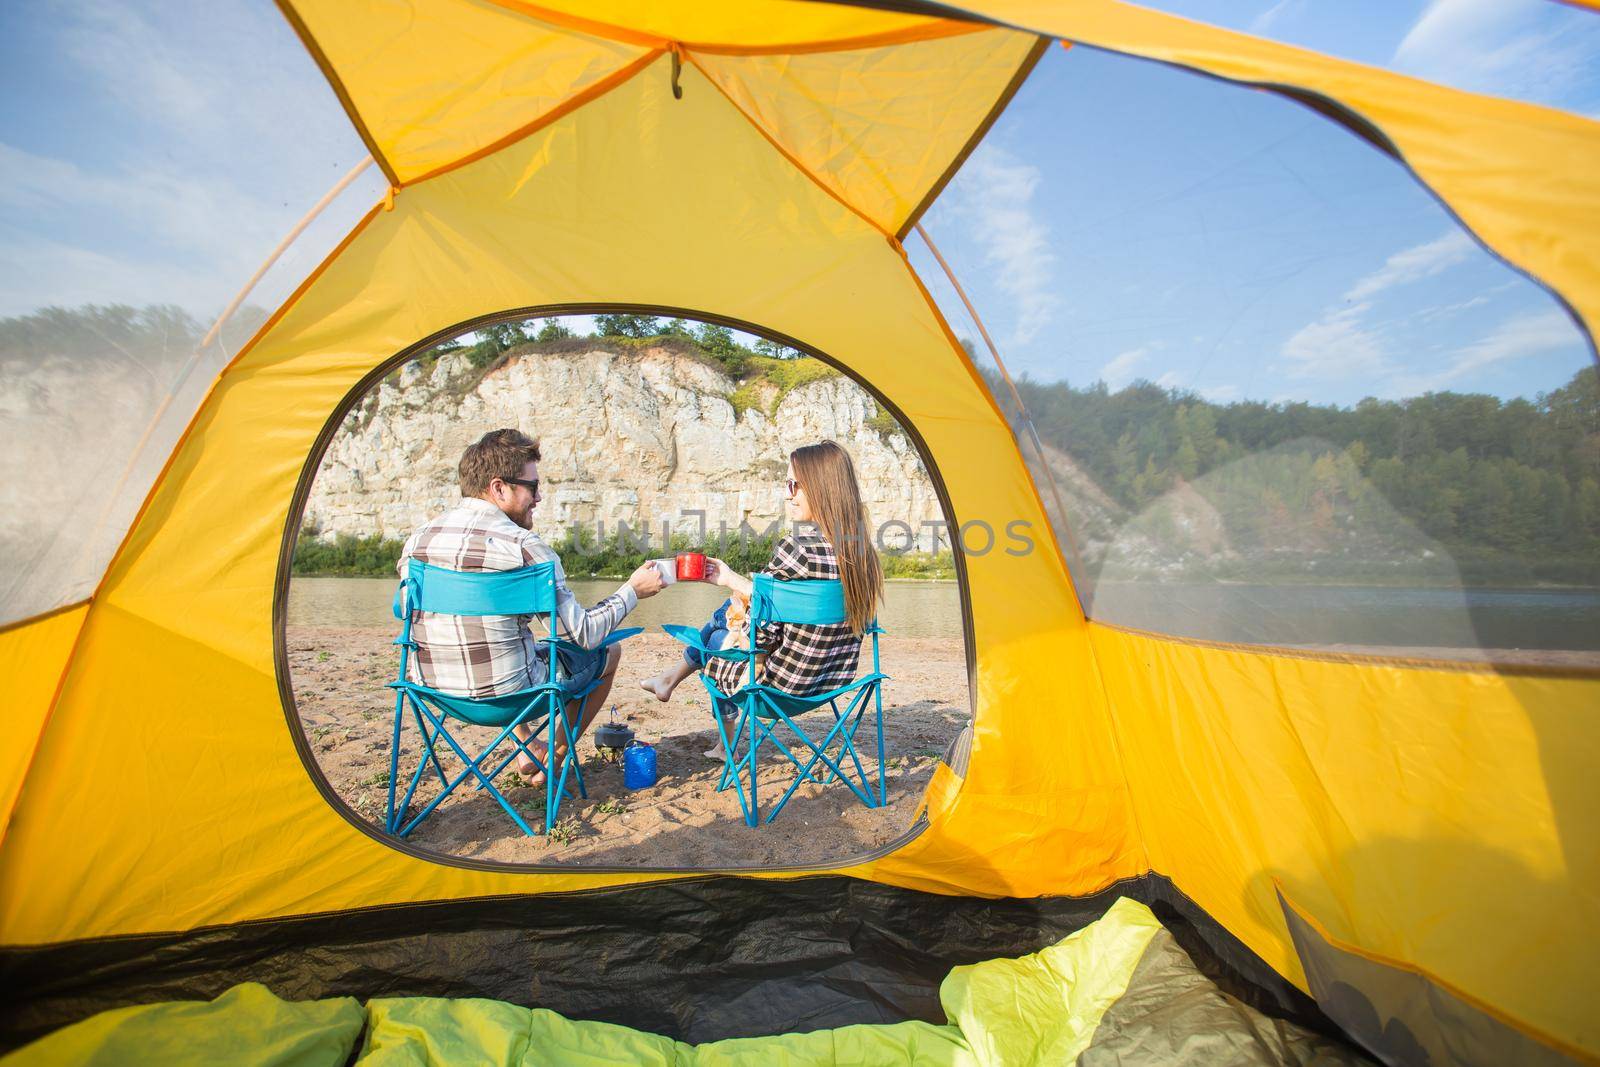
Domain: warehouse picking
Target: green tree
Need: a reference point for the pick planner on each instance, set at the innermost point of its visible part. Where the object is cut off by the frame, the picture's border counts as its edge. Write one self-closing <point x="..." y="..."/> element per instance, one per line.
<point x="553" y="330"/>
<point x="627" y="325"/>
<point x="719" y="342"/>
<point x="773" y="350"/>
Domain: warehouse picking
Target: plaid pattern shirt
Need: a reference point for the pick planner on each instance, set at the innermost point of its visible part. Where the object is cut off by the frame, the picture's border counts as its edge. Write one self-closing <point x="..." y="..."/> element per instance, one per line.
<point x="491" y="655"/>
<point x="801" y="659"/>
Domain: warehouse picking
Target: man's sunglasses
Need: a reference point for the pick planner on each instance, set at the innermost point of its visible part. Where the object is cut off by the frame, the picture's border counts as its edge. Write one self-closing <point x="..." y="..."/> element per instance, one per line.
<point x="531" y="486"/>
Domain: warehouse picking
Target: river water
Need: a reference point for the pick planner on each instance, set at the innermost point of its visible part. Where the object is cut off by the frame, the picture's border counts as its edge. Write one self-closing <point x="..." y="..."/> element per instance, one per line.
<point x="910" y="609"/>
<point x="1347" y="616"/>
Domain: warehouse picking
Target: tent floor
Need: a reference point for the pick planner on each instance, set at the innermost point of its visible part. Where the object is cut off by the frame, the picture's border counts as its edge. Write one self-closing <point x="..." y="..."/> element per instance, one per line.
<point x="697" y="960"/>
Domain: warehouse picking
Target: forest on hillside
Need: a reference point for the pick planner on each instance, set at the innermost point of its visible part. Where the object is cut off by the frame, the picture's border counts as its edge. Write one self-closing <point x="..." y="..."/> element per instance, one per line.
<point x="1510" y="488"/>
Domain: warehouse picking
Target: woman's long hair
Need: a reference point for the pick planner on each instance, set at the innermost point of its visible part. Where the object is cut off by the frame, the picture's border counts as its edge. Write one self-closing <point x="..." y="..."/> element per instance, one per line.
<point x="828" y="477"/>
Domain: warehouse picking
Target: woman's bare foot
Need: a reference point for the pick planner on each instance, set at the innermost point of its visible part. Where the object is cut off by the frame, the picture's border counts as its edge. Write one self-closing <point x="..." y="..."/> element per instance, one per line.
<point x="660" y="687"/>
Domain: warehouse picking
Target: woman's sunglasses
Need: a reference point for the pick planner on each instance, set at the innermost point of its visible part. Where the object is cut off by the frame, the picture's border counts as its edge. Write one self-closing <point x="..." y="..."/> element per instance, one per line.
<point x="794" y="487"/>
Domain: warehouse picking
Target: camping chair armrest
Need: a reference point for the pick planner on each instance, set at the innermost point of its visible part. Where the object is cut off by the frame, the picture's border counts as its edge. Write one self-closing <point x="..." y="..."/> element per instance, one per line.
<point x="614" y="637"/>
<point x="690" y="636"/>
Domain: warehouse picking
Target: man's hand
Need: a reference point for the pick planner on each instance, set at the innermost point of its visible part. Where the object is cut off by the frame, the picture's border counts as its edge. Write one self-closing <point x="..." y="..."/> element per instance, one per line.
<point x="646" y="581"/>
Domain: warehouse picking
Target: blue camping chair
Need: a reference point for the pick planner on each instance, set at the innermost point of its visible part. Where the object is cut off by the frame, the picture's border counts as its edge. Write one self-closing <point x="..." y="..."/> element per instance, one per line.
<point x="762" y="708"/>
<point x="528" y="591"/>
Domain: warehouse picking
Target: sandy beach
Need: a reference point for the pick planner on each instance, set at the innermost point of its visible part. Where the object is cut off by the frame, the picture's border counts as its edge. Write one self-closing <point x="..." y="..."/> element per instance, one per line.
<point x="682" y="821"/>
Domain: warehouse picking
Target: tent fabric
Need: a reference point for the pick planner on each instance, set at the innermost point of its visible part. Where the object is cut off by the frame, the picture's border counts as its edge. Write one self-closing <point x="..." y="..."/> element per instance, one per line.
<point x="246" y="1025"/>
<point x="33" y="657"/>
<point x="1405" y="1015"/>
<point x="1173" y="1015"/>
<point x="404" y="276"/>
<point x="520" y="69"/>
<point x="1050" y="1007"/>
<point x="1289" y="769"/>
<point x="1379" y="794"/>
<point x="870" y="125"/>
<point x="687" y="959"/>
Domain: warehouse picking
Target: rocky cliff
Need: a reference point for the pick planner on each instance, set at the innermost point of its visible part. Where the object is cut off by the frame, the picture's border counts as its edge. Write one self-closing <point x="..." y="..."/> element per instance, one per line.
<point x="643" y="435"/>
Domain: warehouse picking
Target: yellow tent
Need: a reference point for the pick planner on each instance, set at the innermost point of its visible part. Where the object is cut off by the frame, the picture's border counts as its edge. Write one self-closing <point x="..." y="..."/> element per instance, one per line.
<point x="1322" y="814"/>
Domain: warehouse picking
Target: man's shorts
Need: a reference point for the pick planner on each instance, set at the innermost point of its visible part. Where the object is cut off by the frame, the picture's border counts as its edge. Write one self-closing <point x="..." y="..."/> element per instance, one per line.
<point x="579" y="669"/>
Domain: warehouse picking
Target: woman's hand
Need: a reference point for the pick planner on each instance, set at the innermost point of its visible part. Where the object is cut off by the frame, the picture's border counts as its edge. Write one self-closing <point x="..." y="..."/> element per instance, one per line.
<point x="719" y="573"/>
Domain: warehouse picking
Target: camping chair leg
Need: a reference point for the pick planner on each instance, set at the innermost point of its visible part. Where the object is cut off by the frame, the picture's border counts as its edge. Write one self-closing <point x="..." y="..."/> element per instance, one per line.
<point x="857" y="708"/>
<point x="849" y="739"/>
<point x="768" y="735"/>
<point x="730" y="766"/>
<point x="753" y="816"/>
<point x="552" y="798"/>
<point x="422" y="765"/>
<point x="394" y="757"/>
<point x="570" y="730"/>
<point x="728" y="749"/>
<point x="819" y="752"/>
<point x="519" y="745"/>
<point x="883" y="788"/>
<point x="427" y="748"/>
<point x="472" y="768"/>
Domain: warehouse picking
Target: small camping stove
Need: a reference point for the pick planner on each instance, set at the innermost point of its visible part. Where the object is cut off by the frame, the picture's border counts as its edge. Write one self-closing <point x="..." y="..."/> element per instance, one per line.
<point x="611" y="737"/>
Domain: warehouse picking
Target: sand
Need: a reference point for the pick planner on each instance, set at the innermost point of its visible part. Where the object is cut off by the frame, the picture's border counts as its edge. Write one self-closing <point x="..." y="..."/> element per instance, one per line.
<point x="682" y="821"/>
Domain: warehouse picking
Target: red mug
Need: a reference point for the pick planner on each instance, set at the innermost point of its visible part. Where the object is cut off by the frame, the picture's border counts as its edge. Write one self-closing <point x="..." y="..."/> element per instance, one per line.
<point x="691" y="566"/>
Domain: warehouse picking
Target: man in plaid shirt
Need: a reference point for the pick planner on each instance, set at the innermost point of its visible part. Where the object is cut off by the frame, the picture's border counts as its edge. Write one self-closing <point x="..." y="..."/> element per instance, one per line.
<point x="491" y="529"/>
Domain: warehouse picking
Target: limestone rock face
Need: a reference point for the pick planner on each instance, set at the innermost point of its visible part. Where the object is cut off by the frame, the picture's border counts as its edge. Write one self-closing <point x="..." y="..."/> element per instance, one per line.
<point x="646" y="437"/>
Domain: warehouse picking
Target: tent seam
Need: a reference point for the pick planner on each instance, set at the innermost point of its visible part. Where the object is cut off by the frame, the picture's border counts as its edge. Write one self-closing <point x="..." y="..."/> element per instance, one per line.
<point x="309" y="41"/>
<point x="1094" y="655"/>
<point x="934" y="29"/>
<point x="1488" y="667"/>
<point x="1498" y="1014"/>
<point x="772" y="140"/>
<point x="615" y="79"/>
<point x="1001" y="102"/>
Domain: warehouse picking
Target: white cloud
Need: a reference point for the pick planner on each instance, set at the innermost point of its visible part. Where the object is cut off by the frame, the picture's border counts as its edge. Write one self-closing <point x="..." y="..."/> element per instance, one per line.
<point x="995" y="191"/>
<point x="1444" y="311"/>
<point x="1221" y="394"/>
<point x="1515" y="338"/>
<point x="1263" y="22"/>
<point x="1170" y="380"/>
<point x="204" y="217"/>
<point x="1119" y="370"/>
<point x="1413" y="264"/>
<point x="1527" y="49"/>
<point x="1336" y="346"/>
<point x="118" y="47"/>
<point x="175" y="69"/>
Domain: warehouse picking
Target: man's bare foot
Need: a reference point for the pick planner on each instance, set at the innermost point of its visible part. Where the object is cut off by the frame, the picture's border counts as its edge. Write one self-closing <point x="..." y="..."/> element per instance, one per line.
<point x="658" y="687"/>
<point x="527" y="768"/>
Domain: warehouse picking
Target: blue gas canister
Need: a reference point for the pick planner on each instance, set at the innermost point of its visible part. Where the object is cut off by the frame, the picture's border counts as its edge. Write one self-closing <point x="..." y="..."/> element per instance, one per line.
<point x="639" y="765"/>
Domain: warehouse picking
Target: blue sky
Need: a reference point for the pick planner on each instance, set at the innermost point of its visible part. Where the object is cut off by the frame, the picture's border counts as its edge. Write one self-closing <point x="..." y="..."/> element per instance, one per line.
<point x="157" y="152"/>
<point x="1124" y="220"/>
<point x="1121" y="221"/>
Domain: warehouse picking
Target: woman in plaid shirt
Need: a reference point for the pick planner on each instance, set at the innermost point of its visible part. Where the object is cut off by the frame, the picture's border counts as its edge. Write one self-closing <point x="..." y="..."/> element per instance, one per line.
<point x="801" y="659"/>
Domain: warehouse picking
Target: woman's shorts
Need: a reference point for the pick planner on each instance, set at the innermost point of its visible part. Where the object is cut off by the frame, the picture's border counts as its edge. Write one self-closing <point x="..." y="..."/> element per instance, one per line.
<point x="578" y="669"/>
